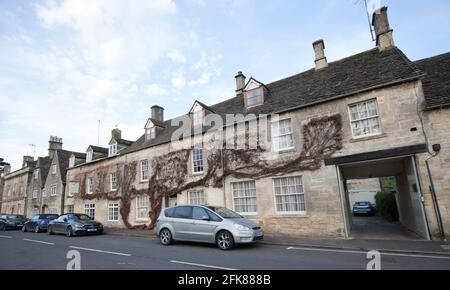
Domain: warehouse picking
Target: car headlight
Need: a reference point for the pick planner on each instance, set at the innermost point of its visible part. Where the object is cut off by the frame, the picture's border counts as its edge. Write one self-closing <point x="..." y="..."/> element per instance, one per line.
<point x="241" y="227"/>
<point x="78" y="225"/>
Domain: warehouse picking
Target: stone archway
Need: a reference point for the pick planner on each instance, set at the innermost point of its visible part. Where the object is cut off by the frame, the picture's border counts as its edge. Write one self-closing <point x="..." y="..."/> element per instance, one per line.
<point x="44" y="209"/>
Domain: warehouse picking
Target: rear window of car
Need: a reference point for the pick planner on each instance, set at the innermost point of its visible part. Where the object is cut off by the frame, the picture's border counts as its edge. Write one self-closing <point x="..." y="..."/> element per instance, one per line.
<point x="183" y="212"/>
<point x="169" y="212"/>
<point x="362" y="203"/>
<point x="49" y="216"/>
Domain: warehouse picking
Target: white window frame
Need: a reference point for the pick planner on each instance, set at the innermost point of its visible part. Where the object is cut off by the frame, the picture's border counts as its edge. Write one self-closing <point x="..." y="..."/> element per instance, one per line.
<point x="113" y="181"/>
<point x="141" y="170"/>
<point x="251" y="94"/>
<point x="113" y="212"/>
<point x="34" y="194"/>
<point x="53" y="190"/>
<point x="53" y="168"/>
<point x="44" y="193"/>
<point x="234" y="198"/>
<point x="194" y="162"/>
<point x="89" y="156"/>
<point x="90" y="185"/>
<point x="72" y="161"/>
<point x="198" y="118"/>
<point x="151" y="133"/>
<point x="304" y="212"/>
<point x="276" y="135"/>
<point x="368" y="118"/>
<point x="142" y="202"/>
<point x="197" y="197"/>
<point x="112" y="150"/>
<point x="89" y="208"/>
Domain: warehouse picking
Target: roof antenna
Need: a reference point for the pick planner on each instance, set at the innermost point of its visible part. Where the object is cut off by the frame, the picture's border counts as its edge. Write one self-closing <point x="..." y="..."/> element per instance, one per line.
<point x="98" y="133"/>
<point x="34" y="150"/>
<point x="368" y="19"/>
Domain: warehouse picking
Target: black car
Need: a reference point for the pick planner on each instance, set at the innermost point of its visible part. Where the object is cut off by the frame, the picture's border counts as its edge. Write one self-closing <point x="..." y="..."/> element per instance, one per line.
<point x="12" y="221"/>
<point x="38" y="223"/>
<point x="363" y="208"/>
<point x="74" y="224"/>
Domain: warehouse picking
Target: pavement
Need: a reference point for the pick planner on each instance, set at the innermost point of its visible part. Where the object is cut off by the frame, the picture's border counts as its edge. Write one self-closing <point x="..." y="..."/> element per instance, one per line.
<point x="133" y="250"/>
<point x="402" y="245"/>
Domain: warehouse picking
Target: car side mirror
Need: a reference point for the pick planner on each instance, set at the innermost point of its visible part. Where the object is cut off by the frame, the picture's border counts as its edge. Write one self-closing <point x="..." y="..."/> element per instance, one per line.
<point x="206" y="218"/>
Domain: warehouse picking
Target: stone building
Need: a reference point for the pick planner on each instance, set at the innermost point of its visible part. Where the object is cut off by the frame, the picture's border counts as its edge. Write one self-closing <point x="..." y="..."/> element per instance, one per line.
<point x="374" y="114"/>
<point x="36" y="188"/>
<point x="16" y="184"/>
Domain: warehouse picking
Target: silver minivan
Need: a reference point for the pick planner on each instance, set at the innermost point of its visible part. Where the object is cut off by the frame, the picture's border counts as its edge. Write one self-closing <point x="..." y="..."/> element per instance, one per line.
<point x="207" y="224"/>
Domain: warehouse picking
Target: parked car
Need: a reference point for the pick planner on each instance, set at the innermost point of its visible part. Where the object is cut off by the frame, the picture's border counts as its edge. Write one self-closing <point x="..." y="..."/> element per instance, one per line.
<point x="74" y="224"/>
<point x="38" y="223"/>
<point x="207" y="224"/>
<point x="12" y="221"/>
<point x="363" y="208"/>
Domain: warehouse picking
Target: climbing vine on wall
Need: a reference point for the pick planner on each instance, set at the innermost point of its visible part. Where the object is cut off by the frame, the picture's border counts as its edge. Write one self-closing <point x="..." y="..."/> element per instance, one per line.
<point x="169" y="173"/>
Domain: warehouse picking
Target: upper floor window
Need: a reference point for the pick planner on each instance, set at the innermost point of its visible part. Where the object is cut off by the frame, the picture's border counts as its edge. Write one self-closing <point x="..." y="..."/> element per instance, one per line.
<point x="144" y="170"/>
<point x="35" y="194"/>
<point x="53" y="189"/>
<point x="53" y="168"/>
<point x="113" y="149"/>
<point x="197" y="118"/>
<point x="113" y="181"/>
<point x="254" y="97"/>
<point x="197" y="160"/>
<point x="365" y="119"/>
<point x="90" y="185"/>
<point x="89" y="156"/>
<point x="151" y="133"/>
<point x="72" y="161"/>
<point x="282" y="135"/>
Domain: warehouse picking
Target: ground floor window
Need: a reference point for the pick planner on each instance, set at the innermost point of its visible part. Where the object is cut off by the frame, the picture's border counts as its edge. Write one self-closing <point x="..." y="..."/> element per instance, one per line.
<point x="289" y="195"/>
<point x="52" y="210"/>
<point x="142" y="204"/>
<point x="89" y="209"/>
<point x="197" y="197"/>
<point x="244" y="196"/>
<point x="113" y="212"/>
<point x="70" y="209"/>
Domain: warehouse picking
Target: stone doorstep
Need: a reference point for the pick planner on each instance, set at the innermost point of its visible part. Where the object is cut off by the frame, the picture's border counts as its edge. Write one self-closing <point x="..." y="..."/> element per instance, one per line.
<point x="326" y="244"/>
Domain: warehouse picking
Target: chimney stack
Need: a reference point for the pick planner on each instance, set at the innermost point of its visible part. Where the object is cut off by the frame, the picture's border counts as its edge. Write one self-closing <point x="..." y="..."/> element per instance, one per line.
<point x="382" y="28"/>
<point x="240" y="83"/>
<point x="319" y="51"/>
<point x="27" y="159"/>
<point x="158" y="113"/>
<point x="116" y="134"/>
<point x="55" y="143"/>
<point x="6" y="169"/>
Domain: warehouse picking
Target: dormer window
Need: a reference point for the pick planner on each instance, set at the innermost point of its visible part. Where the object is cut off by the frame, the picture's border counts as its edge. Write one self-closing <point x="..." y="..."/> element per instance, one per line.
<point x="197" y="118"/>
<point x="151" y="133"/>
<point x="89" y="156"/>
<point x="254" y="98"/>
<point x="113" y="149"/>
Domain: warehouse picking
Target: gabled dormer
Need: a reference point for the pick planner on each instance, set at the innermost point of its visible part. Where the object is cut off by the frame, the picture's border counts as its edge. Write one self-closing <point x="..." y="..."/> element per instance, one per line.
<point x="95" y="152"/>
<point x="254" y="93"/>
<point x="117" y="144"/>
<point x="198" y="113"/>
<point x="155" y="123"/>
<point x="76" y="158"/>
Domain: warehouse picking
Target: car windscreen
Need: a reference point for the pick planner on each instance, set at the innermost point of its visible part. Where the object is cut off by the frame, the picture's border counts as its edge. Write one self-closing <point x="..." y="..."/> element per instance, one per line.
<point x="225" y="212"/>
<point x="82" y="217"/>
<point x="49" y="217"/>
<point x="362" y="203"/>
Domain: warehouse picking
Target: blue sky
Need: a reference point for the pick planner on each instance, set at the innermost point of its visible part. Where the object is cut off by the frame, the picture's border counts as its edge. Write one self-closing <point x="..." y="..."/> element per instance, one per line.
<point x="66" y="64"/>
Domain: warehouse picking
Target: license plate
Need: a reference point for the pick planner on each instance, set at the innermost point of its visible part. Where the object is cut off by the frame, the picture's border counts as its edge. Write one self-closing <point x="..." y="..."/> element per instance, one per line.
<point x="92" y="230"/>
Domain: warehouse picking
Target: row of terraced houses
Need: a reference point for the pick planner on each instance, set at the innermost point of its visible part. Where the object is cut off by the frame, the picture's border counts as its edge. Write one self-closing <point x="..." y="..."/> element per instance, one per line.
<point x="395" y="122"/>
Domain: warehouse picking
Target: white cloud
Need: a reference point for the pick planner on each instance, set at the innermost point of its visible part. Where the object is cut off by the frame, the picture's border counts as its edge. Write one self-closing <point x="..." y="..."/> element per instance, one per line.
<point x="176" y="56"/>
<point x="178" y="81"/>
<point x="156" y="90"/>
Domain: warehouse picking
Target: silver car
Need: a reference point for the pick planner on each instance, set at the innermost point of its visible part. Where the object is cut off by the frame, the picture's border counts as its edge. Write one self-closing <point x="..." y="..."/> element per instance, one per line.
<point x="207" y="224"/>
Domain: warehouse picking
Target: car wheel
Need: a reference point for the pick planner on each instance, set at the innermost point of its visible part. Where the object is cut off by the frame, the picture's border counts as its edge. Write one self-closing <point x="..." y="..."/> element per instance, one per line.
<point x="3" y="227"/>
<point x="69" y="232"/>
<point x="50" y="230"/>
<point x="37" y="229"/>
<point x="165" y="237"/>
<point x="225" y="240"/>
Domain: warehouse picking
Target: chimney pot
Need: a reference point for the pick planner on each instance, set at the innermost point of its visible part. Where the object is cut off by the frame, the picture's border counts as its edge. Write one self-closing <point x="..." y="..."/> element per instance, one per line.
<point x="55" y="143"/>
<point x="240" y="83"/>
<point x="158" y="113"/>
<point x="319" y="51"/>
<point x="383" y="31"/>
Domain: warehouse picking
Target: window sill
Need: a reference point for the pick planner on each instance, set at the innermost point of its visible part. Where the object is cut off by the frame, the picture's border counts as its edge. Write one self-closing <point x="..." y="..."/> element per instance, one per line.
<point x="143" y="181"/>
<point x="367" y="138"/>
<point x="292" y="215"/>
<point x="285" y="151"/>
<point x="197" y="173"/>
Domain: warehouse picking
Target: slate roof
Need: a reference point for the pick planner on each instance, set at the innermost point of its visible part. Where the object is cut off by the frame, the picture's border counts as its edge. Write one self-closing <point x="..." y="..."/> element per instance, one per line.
<point x="436" y="82"/>
<point x="124" y="142"/>
<point x="79" y="155"/>
<point x="63" y="161"/>
<point x="358" y="73"/>
<point x="44" y="164"/>
<point x="99" y="149"/>
<point x="157" y="123"/>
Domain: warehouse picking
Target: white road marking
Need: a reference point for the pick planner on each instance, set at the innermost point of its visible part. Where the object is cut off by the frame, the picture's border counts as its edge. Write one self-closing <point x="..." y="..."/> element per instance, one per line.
<point x="202" y="265"/>
<point x="101" y="251"/>
<point x="364" y="252"/>
<point x="6" y="237"/>
<point x="40" y="242"/>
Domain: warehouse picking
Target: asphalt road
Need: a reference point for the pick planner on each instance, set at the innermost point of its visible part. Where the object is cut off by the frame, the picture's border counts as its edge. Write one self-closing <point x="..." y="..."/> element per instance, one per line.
<point x="40" y="251"/>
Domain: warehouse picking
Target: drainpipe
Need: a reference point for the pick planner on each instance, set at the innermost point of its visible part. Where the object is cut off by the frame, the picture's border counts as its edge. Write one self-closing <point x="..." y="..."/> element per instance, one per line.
<point x="435" y="201"/>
